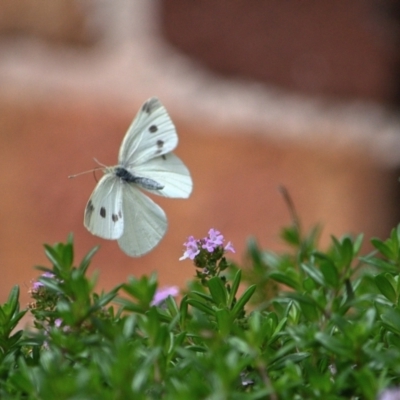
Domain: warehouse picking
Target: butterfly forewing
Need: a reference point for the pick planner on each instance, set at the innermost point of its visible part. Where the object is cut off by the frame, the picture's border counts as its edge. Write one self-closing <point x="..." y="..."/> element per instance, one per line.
<point x="170" y="172"/>
<point x="145" y="222"/>
<point x="150" y="135"/>
<point x="103" y="213"/>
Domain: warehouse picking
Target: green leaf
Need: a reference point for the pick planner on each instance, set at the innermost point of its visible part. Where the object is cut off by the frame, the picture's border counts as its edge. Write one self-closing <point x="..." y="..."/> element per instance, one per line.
<point x="358" y="243"/>
<point x="291" y="235"/>
<point x="246" y="296"/>
<point x="142" y="289"/>
<point x="52" y="284"/>
<point x="395" y="242"/>
<point x="313" y="273"/>
<point x="224" y="321"/>
<point x="104" y="299"/>
<point x="201" y="306"/>
<point x="235" y="287"/>
<point x="218" y="291"/>
<point x="367" y="382"/>
<point x="330" y="274"/>
<point x="344" y="251"/>
<point x="12" y="304"/>
<point x="380" y="264"/>
<point x="309" y="243"/>
<point x="183" y="310"/>
<point x="67" y="253"/>
<point x="52" y="255"/>
<point x="277" y="331"/>
<point x="347" y="251"/>
<point x="309" y="285"/>
<point x="391" y="319"/>
<point x="87" y="259"/>
<point x="282" y="362"/>
<point x="310" y="311"/>
<point x="301" y="298"/>
<point x="385" y="287"/>
<point x="383" y="248"/>
<point x="393" y="339"/>
<point x="333" y="344"/>
<point x="172" y="306"/>
<point x="201" y="295"/>
<point x="285" y="279"/>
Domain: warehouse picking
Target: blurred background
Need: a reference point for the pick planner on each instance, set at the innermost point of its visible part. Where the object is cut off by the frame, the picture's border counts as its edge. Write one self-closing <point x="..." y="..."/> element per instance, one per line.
<point x="300" y="94"/>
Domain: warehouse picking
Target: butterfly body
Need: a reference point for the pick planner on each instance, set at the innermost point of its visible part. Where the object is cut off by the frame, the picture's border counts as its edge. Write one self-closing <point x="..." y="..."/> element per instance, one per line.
<point x="117" y="208"/>
<point x="127" y="177"/>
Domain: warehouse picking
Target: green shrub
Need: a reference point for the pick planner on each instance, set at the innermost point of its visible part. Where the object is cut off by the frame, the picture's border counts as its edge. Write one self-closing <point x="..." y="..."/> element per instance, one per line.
<point x="306" y="324"/>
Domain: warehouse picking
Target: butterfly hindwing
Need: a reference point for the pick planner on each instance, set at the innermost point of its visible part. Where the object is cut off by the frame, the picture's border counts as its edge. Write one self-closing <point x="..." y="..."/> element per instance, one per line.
<point x="151" y="134"/>
<point x="103" y="213"/>
<point x="145" y="222"/>
<point x="170" y="172"/>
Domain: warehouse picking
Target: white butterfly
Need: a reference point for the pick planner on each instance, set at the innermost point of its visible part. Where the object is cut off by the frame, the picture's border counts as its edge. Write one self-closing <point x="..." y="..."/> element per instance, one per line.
<point x="117" y="209"/>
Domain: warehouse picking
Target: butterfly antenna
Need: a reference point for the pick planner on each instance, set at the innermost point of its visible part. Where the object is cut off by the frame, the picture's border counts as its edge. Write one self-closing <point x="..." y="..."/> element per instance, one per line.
<point x="94" y="175"/>
<point x="84" y="172"/>
<point x="98" y="162"/>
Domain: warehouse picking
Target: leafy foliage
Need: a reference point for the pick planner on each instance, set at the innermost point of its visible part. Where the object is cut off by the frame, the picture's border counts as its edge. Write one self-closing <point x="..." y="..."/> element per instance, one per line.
<point x="307" y="324"/>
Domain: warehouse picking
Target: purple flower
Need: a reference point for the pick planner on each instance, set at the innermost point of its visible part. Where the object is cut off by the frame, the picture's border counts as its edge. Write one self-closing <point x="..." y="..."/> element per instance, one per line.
<point x="208" y="245"/>
<point x="48" y="275"/>
<point x="163" y="293"/>
<point x="211" y="242"/>
<point x="390" y="394"/>
<point x="58" y="322"/>
<point x="192" y="249"/>
<point x="37" y="285"/>
<point x="229" y="247"/>
<point x="215" y="237"/>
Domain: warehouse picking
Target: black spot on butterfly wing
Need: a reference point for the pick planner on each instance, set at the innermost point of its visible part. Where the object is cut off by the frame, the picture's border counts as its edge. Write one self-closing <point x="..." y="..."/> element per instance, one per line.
<point x="160" y="145"/>
<point x="103" y="214"/>
<point x="117" y="217"/>
<point x="114" y="217"/>
<point x="153" y="129"/>
<point x="89" y="209"/>
<point x="90" y="206"/>
<point x="150" y="105"/>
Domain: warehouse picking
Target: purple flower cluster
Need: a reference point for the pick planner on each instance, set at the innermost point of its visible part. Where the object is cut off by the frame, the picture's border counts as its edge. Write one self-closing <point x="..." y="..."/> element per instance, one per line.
<point x="37" y="285"/>
<point x="211" y="242"/>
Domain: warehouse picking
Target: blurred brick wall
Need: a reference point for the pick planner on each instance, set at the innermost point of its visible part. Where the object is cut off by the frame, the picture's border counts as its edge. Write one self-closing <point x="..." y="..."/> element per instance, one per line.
<point x="56" y="20"/>
<point x="334" y="48"/>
